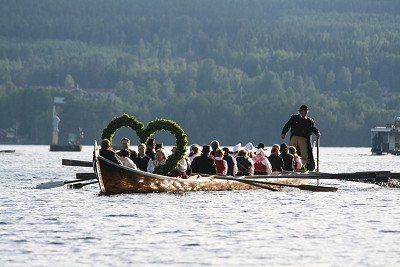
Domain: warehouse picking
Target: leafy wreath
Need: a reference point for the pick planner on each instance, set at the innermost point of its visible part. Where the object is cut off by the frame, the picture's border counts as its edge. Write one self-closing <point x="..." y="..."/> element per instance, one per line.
<point x="145" y="133"/>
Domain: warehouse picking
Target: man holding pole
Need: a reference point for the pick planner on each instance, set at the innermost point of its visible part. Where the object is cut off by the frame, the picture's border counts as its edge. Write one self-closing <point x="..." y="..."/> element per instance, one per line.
<point x="301" y="127"/>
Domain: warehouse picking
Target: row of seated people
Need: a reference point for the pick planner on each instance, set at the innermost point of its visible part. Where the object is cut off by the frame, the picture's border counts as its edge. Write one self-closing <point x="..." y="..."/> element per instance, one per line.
<point x="247" y="160"/>
<point x="211" y="159"/>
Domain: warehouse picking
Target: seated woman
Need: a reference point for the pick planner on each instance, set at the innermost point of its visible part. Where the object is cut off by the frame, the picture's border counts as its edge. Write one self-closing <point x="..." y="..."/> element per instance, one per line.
<point x="221" y="166"/>
<point x="245" y="166"/>
<point x="298" y="165"/>
<point x="159" y="159"/>
<point x="124" y="157"/>
<point x="194" y="152"/>
<point x="262" y="166"/>
<point x="181" y="169"/>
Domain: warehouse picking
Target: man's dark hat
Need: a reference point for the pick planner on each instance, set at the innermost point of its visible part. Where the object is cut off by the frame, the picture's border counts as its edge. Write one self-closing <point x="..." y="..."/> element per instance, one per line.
<point x="303" y="107"/>
<point x="150" y="142"/>
<point x="206" y="148"/>
<point x="159" y="146"/>
<point x="260" y="145"/>
<point x="283" y="146"/>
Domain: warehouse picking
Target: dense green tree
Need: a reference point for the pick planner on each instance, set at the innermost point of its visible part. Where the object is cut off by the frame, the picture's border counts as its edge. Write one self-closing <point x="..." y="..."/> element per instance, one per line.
<point x="224" y="69"/>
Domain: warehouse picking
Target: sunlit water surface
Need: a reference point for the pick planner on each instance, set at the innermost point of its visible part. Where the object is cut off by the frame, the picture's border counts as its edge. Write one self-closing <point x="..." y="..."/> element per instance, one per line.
<point x="358" y="225"/>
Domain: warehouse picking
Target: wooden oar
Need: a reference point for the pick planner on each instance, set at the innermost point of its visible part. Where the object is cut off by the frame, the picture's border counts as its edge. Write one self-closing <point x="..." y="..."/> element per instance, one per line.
<point x="85" y="175"/>
<point x="49" y="185"/>
<point x="73" y="162"/>
<point x="249" y="182"/>
<point x="313" y="188"/>
<point x="80" y="185"/>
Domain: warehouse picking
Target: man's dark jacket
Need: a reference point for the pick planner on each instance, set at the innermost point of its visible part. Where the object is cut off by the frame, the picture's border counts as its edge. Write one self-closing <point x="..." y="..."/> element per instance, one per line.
<point x="203" y="164"/>
<point x="276" y="163"/>
<point x="110" y="155"/>
<point x="304" y="128"/>
<point x="288" y="161"/>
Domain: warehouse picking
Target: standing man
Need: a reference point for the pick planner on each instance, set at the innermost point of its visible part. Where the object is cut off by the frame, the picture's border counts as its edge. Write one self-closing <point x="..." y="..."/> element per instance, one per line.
<point x="301" y="127"/>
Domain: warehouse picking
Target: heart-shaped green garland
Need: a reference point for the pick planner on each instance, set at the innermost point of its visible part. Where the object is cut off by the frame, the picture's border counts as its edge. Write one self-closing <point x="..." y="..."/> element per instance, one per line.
<point x="145" y="133"/>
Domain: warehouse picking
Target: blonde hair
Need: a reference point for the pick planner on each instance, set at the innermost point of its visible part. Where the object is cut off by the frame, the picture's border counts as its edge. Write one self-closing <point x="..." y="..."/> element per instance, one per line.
<point x="292" y="150"/>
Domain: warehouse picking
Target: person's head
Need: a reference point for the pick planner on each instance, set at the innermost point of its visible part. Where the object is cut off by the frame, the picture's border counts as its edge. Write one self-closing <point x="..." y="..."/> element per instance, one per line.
<point x="236" y="148"/>
<point x="125" y="142"/>
<point x="141" y="149"/>
<point x="194" y="149"/>
<point x="125" y="153"/>
<point x="260" y="145"/>
<point x="214" y="145"/>
<point x="284" y="148"/>
<point x="173" y="150"/>
<point x="303" y="110"/>
<point x="274" y="151"/>
<point x="278" y="147"/>
<point x="219" y="153"/>
<point x="250" y="147"/>
<point x="158" y="146"/>
<point x="160" y="155"/>
<point x="292" y="150"/>
<point x="226" y="151"/>
<point x="150" y="144"/>
<point x="242" y="153"/>
<point x="105" y="144"/>
<point x="206" y="150"/>
<point x="260" y="152"/>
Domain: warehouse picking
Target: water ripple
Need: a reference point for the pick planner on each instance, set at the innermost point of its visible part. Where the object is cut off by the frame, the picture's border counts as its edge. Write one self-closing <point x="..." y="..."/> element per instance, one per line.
<point x="354" y="226"/>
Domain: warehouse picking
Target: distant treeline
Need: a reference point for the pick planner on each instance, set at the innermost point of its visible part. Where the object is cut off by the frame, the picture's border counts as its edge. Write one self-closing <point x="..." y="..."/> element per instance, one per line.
<point x="229" y="70"/>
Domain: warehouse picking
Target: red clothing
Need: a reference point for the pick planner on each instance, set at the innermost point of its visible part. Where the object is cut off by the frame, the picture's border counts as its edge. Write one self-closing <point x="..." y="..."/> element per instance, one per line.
<point x="219" y="166"/>
<point x="260" y="167"/>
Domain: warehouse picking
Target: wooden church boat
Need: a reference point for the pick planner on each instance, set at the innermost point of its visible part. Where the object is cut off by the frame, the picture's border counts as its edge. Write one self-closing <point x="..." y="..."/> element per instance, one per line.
<point x="117" y="179"/>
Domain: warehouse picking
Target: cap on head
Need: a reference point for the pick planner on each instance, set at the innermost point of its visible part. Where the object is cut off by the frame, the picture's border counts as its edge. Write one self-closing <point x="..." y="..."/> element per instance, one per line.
<point x="303" y="107"/>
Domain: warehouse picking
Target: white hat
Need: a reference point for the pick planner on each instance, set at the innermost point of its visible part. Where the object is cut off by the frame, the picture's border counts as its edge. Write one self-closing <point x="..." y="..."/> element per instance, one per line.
<point x="249" y="147"/>
<point x="260" y="151"/>
<point x="236" y="148"/>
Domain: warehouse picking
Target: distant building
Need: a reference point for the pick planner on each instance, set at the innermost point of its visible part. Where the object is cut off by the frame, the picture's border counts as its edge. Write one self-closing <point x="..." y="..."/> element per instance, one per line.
<point x="386" y="139"/>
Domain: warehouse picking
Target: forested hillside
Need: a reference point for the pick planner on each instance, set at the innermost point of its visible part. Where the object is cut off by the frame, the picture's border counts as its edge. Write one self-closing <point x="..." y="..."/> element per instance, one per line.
<point x="224" y="69"/>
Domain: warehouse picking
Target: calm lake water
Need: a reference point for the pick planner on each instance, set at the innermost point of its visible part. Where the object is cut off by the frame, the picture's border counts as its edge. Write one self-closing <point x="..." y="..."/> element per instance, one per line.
<point x="359" y="225"/>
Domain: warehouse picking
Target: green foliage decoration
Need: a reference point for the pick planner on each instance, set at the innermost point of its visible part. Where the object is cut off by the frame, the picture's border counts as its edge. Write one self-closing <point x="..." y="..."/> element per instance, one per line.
<point x="145" y="133"/>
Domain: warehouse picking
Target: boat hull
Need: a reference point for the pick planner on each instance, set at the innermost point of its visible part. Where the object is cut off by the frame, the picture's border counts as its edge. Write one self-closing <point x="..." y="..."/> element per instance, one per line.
<point x="116" y="179"/>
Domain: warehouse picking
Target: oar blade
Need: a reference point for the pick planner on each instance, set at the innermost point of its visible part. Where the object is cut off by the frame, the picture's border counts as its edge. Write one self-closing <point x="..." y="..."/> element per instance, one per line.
<point x="80" y="185"/>
<point x="79" y="163"/>
<point x="50" y="185"/>
<point x="317" y="188"/>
